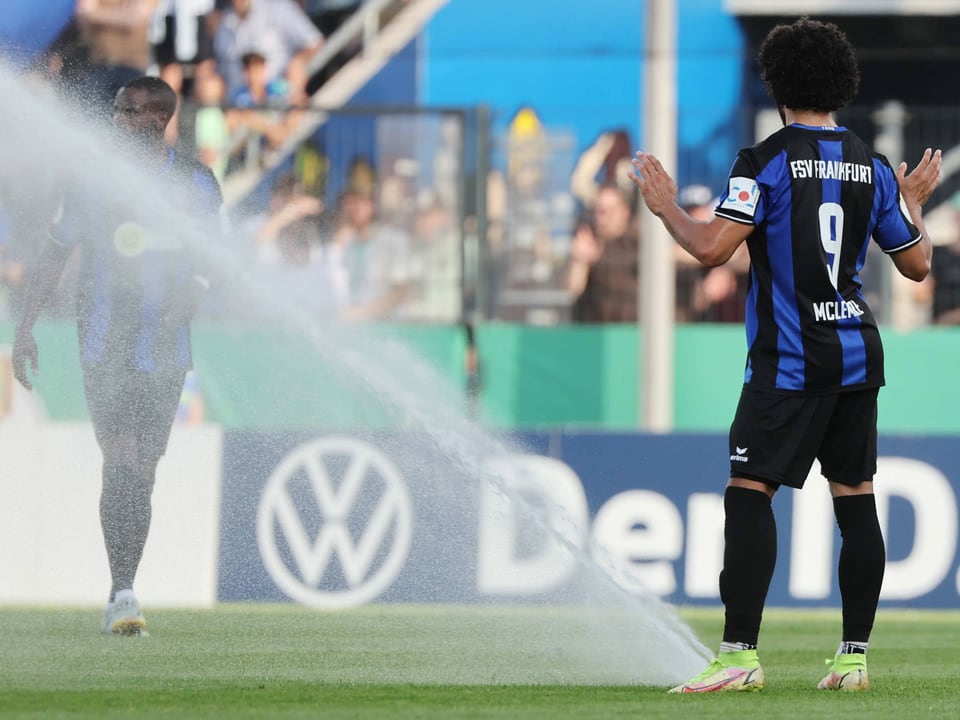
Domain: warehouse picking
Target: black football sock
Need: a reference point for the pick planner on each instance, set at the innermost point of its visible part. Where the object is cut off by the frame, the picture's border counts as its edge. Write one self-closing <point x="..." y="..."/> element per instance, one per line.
<point x="125" y="512"/>
<point x="749" y="557"/>
<point x="862" y="560"/>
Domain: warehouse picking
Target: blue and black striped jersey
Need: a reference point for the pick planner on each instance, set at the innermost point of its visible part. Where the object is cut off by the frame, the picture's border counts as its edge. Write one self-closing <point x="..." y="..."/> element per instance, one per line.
<point x="136" y="257"/>
<point x="815" y="196"/>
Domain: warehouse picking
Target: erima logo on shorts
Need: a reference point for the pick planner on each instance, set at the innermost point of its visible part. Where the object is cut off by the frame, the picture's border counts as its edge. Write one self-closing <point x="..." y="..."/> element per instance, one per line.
<point x="740" y="455"/>
<point x="742" y="196"/>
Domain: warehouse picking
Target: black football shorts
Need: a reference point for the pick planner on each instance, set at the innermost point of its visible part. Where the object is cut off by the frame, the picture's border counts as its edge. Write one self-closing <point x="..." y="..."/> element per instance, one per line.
<point x="775" y="438"/>
<point x="125" y="401"/>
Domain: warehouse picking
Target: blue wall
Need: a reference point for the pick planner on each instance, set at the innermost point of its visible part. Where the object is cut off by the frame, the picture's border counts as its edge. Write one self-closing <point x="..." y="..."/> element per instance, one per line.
<point x="713" y="121"/>
<point x="575" y="62"/>
<point x="27" y="27"/>
<point x="579" y="64"/>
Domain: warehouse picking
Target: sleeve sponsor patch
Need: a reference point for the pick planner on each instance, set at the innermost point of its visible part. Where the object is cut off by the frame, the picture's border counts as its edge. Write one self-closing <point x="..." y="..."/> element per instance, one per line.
<point x="742" y="196"/>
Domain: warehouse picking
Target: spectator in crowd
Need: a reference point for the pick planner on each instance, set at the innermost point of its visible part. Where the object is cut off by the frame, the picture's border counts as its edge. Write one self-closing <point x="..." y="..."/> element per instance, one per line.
<point x="277" y="29"/>
<point x="585" y="251"/>
<point x="522" y="236"/>
<point x="179" y="38"/>
<point x="367" y="262"/>
<point x="939" y="294"/>
<point x="447" y="162"/>
<point x="361" y="175"/>
<point x="945" y="269"/>
<point x="605" y="162"/>
<point x="311" y="166"/>
<point x="211" y="129"/>
<point x="492" y="268"/>
<point x="603" y="276"/>
<point x="115" y="35"/>
<point x="289" y="207"/>
<point x="258" y="103"/>
<point x="527" y="156"/>
<point x="435" y="257"/>
<point x="257" y="90"/>
<point x="294" y="268"/>
<point x="704" y="294"/>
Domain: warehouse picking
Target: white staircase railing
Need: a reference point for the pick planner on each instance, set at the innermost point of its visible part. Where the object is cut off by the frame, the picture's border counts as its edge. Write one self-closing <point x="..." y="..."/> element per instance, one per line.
<point x="384" y="27"/>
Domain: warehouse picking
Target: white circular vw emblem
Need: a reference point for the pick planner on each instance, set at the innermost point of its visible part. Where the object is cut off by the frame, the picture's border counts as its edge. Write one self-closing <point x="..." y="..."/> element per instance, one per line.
<point x="368" y="490"/>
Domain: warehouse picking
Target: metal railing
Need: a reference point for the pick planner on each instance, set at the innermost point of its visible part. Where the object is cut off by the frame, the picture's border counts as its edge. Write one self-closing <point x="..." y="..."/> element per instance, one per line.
<point x="383" y="27"/>
<point x="365" y="23"/>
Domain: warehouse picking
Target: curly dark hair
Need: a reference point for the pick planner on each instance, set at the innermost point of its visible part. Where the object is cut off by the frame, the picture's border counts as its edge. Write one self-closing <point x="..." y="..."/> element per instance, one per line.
<point x="809" y="65"/>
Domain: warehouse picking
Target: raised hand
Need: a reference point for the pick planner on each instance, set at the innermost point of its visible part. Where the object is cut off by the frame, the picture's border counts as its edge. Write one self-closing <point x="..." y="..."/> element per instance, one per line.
<point x="919" y="184"/>
<point x="658" y="189"/>
<point x="24" y="352"/>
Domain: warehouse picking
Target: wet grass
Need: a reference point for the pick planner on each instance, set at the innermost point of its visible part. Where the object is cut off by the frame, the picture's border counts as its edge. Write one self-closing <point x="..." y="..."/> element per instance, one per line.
<point x="253" y="661"/>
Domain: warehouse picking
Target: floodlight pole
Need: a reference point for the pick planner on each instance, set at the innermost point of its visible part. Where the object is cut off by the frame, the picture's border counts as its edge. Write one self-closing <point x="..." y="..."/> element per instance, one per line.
<point x="657" y="270"/>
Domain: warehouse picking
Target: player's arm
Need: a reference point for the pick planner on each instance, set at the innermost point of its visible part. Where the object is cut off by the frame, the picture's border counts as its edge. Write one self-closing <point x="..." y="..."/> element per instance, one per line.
<point x="303" y="35"/>
<point x="916" y="188"/>
<point x="207" y="227"/>
<point x="914" y="262"/>
<point x="43" y="279"/>
<point x="132" y="14"/>
<point x="211" y="227"/>
<point x="711" y="243"/>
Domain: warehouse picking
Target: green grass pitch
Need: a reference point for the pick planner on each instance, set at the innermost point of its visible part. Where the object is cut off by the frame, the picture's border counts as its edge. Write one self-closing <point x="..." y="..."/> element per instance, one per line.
<point x="388" y="661"/>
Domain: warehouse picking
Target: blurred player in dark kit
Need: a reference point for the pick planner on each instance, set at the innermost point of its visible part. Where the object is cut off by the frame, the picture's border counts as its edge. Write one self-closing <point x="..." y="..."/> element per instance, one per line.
<point x="138" y="290"/>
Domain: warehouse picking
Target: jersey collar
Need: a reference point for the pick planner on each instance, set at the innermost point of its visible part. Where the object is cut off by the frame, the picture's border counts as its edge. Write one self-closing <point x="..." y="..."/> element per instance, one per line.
<point x="828" y="128"/>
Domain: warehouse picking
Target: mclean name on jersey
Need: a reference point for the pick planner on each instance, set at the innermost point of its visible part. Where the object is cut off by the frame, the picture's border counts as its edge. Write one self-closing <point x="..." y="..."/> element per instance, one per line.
<point x="836" y="310"/>
<point x="831" y="170"/>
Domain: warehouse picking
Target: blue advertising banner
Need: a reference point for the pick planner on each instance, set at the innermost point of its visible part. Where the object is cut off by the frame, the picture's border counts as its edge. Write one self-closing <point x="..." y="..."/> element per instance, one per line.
<point x="338" y="521"/>
<point x="342" y="520"/>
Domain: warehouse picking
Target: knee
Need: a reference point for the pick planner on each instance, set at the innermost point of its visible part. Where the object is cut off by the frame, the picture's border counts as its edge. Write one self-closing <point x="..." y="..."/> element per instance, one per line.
<point x="120" y="451"/>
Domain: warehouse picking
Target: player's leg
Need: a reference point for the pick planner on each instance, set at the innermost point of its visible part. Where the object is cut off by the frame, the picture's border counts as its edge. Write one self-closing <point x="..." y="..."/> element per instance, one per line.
<point x="749" y="556"/>
<point x="125" y="509"/>
<point x="773" y="441"/>
<point x="153" y="407"/>
<point x="132" y="415"/>
<point x="124" y="514"/>
<point x="849" y="461"/>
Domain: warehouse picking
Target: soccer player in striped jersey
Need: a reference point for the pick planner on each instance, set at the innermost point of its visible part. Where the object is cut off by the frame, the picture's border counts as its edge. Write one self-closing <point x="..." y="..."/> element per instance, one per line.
<point x="807" y="201"/>
<point x="139" y="286"/>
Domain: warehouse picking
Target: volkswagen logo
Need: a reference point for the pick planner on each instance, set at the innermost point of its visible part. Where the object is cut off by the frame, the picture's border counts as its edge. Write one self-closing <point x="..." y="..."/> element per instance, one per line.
<point x="335" y="523"/>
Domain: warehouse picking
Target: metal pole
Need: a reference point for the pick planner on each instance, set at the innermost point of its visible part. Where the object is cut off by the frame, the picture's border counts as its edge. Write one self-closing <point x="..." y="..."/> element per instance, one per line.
<point x="657" y="271"/>
<point x="890" y="120"/>
<point x="481" y="289"/>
